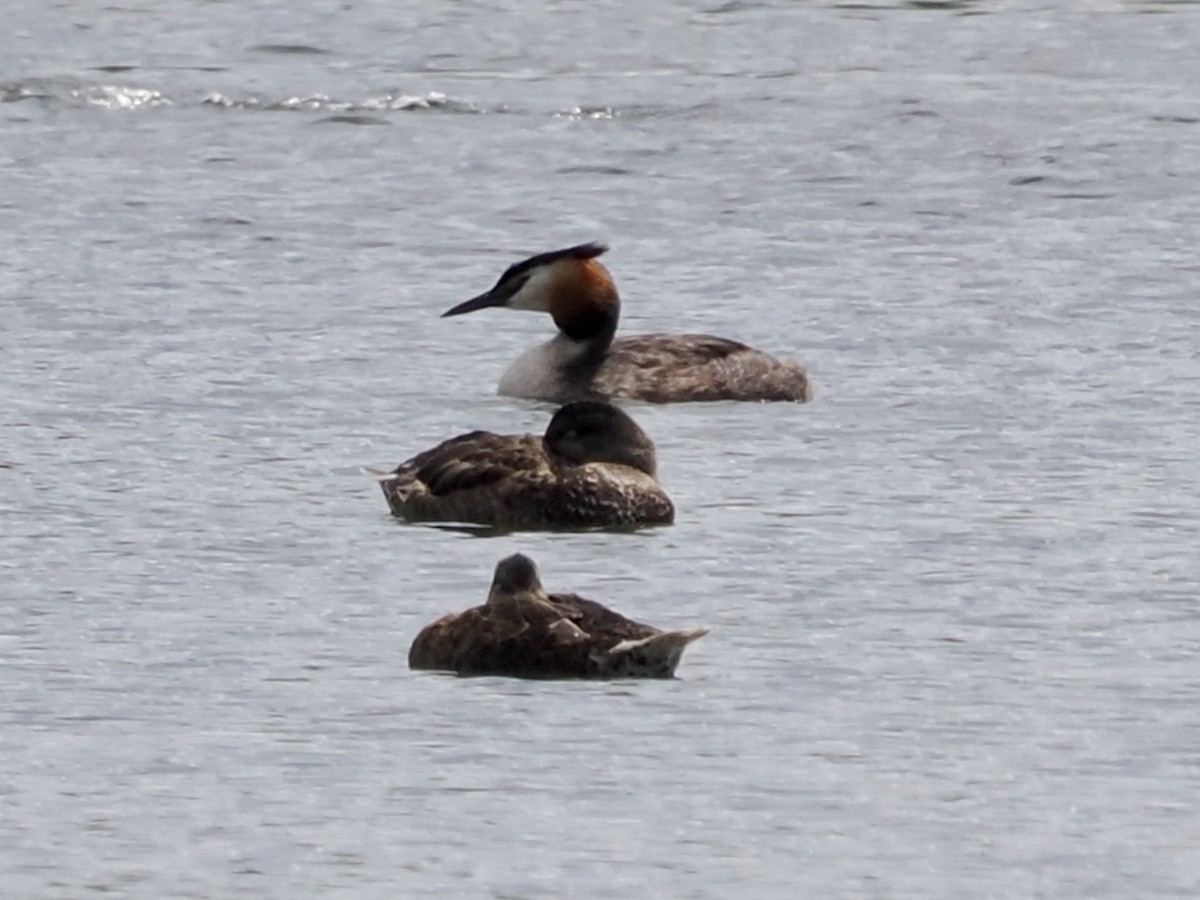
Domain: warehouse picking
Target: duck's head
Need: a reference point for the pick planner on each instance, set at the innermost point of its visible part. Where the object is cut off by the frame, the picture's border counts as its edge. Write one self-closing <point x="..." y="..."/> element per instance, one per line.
<point x="569" y="284"/>
<point x="516" y="574"/>
<point x="594" y="431"/>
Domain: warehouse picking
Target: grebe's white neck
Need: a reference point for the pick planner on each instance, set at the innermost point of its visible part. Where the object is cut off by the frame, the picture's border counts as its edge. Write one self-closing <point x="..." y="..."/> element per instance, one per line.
<point x="559" y="368"/>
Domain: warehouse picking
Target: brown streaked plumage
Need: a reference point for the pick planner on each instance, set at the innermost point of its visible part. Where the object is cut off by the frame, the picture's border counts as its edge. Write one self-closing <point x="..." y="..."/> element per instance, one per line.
<point x="593" y="468"/>
<point x="523" y="632"/>
<point x="586" y="360"/>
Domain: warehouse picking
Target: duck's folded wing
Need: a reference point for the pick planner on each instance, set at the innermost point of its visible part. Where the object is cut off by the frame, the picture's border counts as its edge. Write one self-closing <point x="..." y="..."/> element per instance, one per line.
<point x="598" y="620"/>
<point x="475" y="460"/>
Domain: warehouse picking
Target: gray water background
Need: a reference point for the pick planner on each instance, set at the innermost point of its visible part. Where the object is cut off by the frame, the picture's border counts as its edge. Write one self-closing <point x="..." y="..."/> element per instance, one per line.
<point x="953" y="600"/>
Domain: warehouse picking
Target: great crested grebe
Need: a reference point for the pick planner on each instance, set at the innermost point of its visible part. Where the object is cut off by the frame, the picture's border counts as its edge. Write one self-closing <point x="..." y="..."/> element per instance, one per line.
<point x="583" y="359"/>
<point x="523" y="632"/>
<point x="594" y="468"/>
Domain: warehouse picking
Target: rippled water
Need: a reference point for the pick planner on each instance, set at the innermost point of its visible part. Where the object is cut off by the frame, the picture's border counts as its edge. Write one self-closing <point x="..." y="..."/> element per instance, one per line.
<point x="954" y="600"/>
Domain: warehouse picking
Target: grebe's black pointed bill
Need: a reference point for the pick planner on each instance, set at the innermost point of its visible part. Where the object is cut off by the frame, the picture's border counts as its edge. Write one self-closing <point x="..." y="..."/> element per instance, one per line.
<point x="497" y="296"/>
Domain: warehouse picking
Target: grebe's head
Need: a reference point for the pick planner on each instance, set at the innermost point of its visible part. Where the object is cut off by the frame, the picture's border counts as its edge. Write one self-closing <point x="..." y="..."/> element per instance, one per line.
<point x="516" y="574"/>
<point x="569" y="284"/>
<point x="594" y="431"/>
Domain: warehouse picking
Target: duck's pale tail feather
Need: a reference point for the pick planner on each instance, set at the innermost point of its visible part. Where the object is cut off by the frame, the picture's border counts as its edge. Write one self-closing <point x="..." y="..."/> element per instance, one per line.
<point x="378" y="474"/>
<point x="656" y="656"/>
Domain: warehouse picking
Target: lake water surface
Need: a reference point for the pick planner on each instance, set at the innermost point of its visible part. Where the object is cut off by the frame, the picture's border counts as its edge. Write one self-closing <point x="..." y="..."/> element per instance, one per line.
<point x="954" y="600"/>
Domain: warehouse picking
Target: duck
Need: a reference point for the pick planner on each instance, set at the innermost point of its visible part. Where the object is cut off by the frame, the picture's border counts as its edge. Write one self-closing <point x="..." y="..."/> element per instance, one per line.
<point x="523" y="632"/>
<point x="585" y="359"/>
<point x="593" y="468"/>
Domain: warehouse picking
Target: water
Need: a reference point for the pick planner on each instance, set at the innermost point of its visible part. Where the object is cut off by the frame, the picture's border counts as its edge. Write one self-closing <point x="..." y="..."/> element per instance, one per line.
<point x="954" y="600"/>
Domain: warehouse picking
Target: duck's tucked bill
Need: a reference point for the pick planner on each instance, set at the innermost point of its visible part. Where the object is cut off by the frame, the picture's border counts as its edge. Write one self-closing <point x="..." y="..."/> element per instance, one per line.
<point x="523" y="632"/>
<point x="584" y="359"/>
<point x="593" y="468"/>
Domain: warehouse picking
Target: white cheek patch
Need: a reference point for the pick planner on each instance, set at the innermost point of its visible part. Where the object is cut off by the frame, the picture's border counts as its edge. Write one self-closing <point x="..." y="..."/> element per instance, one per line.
<point x="535" y="294"/>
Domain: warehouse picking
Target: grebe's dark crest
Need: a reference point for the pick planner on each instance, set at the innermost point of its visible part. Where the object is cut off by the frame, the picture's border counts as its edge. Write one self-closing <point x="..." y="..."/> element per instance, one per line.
<point x="521" y="631"/>
<point x="580" y="251"/>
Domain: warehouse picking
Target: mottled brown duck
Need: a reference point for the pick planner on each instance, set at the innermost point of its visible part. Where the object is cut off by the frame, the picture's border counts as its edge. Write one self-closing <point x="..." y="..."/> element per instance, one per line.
<point x="524" y="632"/>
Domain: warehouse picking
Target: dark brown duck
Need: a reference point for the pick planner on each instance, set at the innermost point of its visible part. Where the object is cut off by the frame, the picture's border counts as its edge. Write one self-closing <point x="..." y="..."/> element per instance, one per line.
<point x="593" y="468"/>
<point x="523" y="632"/>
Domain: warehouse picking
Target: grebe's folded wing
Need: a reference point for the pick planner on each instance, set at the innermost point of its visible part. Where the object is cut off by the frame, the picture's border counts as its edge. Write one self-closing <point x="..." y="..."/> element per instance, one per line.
<point x="673" y="350"/>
